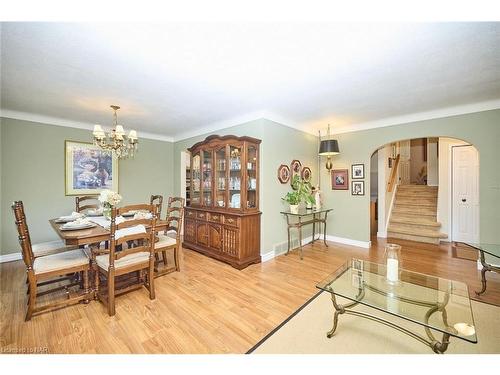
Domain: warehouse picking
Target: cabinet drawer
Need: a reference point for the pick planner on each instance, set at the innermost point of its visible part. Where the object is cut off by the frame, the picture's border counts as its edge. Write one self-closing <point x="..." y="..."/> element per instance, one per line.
<point x="190" y="214"/>
<point x="201" y="215"/>
<point x="214" y="218"/>
<point x="232" y="220"/>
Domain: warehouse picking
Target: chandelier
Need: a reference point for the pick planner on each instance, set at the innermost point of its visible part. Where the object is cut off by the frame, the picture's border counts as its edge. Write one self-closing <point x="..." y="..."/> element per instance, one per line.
<point x="115" y="141"/>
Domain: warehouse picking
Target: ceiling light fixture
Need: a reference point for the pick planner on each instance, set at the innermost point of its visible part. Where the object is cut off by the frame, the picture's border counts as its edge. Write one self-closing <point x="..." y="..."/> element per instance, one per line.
<point x="116" y="141"/>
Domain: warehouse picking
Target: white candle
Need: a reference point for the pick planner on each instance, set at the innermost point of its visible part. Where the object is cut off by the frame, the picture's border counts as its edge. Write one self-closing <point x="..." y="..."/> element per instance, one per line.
<point x="392" y="270"/>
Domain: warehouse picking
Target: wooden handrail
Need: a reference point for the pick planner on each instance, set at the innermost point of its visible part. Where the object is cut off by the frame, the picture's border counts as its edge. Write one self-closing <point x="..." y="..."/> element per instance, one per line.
<point x="394" y="173"/>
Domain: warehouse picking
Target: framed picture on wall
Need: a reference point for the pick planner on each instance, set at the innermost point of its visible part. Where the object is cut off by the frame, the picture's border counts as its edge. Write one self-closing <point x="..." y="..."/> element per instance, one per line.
<point x="340" y="179"/>
<point x="358" y="188"/>
<point x="306" y="174"/>
<point x="88" y="169"/>
<point x="357" y="171"/>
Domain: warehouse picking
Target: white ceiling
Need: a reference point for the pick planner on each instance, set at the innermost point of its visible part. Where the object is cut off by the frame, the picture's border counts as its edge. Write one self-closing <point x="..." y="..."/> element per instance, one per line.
<point x="180" y="79"/>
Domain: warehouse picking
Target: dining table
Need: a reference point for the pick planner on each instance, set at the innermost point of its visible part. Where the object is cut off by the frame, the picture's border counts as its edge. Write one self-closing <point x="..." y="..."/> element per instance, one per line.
<point x="93" y="237"/>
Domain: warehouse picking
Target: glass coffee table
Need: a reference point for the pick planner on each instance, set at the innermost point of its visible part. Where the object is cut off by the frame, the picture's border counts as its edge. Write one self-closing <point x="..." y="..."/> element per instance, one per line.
<point x="432" y="303"/>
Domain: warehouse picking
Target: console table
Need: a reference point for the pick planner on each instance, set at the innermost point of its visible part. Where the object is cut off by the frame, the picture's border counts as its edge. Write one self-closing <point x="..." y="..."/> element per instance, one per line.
<point x="490" y="249"/>
<point x="318" y="216"/>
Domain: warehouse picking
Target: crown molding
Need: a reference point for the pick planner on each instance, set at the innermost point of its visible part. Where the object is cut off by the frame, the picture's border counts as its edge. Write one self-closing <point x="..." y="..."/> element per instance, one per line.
<point x="420" y="116"/>
<point x="48" y="120"/>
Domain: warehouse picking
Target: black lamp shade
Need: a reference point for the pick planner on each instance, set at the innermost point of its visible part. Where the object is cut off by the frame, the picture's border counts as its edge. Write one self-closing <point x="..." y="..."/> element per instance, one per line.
<point x="329" y="147"/>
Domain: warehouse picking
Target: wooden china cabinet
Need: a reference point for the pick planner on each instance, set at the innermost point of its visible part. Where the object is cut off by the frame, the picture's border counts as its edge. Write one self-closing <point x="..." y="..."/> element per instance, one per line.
<point x="222" y="218"/>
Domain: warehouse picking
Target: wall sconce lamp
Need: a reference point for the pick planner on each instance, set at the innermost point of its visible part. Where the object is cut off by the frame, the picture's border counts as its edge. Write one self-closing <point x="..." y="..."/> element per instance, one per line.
<point x="328" y="148"/>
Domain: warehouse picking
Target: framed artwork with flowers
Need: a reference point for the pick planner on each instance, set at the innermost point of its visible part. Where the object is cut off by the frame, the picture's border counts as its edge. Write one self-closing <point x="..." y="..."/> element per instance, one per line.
<point x="88" y="169"/>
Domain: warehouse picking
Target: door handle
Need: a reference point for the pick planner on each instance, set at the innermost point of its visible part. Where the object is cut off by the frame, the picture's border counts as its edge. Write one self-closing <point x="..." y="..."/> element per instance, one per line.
<point x="464" y="200"/>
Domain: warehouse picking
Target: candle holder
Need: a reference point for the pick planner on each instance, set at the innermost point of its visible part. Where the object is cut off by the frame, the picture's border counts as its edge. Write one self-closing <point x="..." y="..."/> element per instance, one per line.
<point x="392" y="260"/>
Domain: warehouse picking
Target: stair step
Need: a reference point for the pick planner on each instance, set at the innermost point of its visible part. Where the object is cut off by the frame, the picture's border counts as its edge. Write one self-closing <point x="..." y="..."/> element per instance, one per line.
<point x="414" y="232"/>
<point x="405" y="211"/>
<point x="428" y="207"/>
<point x="416" y="201"/>
<point x="415" y="220"/>
<point x="412" y="194"/>
<point x="417" y="187"/>
<point x="409" y="237"/>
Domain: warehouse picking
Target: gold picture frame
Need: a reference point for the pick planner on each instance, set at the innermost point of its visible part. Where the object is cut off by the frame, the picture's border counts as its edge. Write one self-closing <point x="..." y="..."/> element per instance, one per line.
<point x="88" y="169"/>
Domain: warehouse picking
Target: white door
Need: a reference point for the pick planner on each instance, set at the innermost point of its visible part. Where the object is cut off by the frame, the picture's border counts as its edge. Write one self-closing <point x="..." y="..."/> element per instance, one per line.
<point x="465" y="194"/>
<point x="404" y="162"/>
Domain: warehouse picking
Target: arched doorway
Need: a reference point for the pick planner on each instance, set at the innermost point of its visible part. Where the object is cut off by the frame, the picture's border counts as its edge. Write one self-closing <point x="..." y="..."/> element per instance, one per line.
<point x="425" y="190"/>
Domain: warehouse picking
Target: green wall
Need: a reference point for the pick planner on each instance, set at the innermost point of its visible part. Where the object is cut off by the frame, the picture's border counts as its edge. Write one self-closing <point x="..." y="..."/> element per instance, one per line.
<point x="482" y="129"/>
<point x="32" y="166"/>
<point x="280" y="145"/>
<point x="32" y="169"/>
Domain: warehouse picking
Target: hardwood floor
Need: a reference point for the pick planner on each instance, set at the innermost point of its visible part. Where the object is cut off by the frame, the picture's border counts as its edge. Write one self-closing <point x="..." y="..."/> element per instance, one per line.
<point x="208" y="307"/>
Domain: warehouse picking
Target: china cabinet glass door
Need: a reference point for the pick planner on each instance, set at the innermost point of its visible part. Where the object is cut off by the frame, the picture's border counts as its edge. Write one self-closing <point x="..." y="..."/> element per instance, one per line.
<point x="220" y="177"/>
<point x="207" y="177"/>
<point x="234" y="177"/>
<point x="251" y="169"/>
<point x="195" y="179"/>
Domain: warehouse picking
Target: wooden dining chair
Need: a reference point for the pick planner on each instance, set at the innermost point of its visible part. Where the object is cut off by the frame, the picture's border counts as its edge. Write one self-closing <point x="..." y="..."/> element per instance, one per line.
<point x="158" y="201"/>
<point x="46" y="268"/>
<point x="129" y="259"/>
<point x="45" y="248"/>
<point x="94" y="203"/>
<point x="171" y="238"/>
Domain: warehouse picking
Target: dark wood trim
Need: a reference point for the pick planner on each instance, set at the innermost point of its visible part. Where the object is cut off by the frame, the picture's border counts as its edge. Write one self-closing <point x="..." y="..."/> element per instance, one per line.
<point x="224" y="138"/>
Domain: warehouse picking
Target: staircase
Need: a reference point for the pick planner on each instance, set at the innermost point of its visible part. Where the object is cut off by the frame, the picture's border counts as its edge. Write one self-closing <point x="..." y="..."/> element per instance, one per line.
<point x="414" y="214"/>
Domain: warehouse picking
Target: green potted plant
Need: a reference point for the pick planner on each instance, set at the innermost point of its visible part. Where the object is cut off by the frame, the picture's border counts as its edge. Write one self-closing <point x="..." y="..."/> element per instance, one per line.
<point x="301" y="193"/>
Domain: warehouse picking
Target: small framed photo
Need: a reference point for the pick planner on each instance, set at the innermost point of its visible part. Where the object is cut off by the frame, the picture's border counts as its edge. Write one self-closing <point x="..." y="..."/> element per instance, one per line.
<point x="358" y="188"/>
<point x="340" y="179"/>
<point x="358" y="171"/>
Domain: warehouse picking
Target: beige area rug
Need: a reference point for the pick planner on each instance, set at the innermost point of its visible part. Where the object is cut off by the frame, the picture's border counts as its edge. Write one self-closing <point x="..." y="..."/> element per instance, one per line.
<point x="306" y="333"/>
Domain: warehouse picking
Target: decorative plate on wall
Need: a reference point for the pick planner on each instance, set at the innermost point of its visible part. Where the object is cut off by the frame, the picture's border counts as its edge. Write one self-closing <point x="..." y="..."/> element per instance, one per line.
<point x="306" y="174"/>
<point x="295" y="166"/>
<point x="283" y="173"/>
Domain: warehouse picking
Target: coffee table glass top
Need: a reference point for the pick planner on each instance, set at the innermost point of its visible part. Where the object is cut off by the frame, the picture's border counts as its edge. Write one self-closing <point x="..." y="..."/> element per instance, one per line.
<point x="430" y="301"/>
<point x="488" y="248"/>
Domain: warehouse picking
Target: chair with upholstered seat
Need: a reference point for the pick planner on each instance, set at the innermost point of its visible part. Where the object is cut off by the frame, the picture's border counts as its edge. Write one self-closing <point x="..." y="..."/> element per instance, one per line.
<point x="44" y="269"/>
<point x="171" y="238"/>
<point x="129" y="260"/>
<point x="79" y="207"/>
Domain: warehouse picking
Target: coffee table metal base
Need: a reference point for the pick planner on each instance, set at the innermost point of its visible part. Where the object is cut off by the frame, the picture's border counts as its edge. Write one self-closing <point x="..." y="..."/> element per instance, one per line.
<point x="438" y="347"/>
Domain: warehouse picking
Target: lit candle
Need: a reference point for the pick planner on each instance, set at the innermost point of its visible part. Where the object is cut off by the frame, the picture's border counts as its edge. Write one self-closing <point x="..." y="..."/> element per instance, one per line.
<point x="132" y="135"/>
<point x="392" y="269"/>
<point x="119" y="130"/>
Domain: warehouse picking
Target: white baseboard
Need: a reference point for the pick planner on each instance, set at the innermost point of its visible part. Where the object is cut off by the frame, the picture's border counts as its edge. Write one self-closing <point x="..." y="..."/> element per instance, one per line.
<point x="10" y="257"/>
<point x="382" y="234"/>
<point x="345" y="241"/>
<point x="348" y="241"/>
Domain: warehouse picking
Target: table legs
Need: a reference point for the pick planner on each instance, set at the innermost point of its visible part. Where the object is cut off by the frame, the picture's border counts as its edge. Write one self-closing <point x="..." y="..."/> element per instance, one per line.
<point x="486" y="267"/>
<point x="438" y="347"/>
